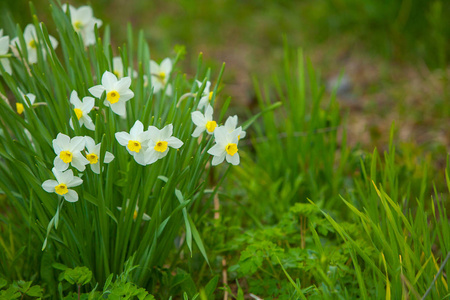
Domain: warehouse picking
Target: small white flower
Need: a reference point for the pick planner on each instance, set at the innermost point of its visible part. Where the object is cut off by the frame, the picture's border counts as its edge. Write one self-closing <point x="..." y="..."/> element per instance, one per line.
<point x="83" y="22"/>
<point x="117" y="92"/>
<point x="135" y="141"/>
<point x="206" y="94"/>
<point x="160" y="141"/>
<point x="204" y="122"/>
<point x="4" y="46"/>
<point x="93" y="154"/>
<point x="19" y="106"/>
<point x="82" y="109"/>
<point x="230" y="125"/>
<point x="225" y="147"/>
<point x="64" y="180"/>
<point x="145" y="217"/>
<point x="118" y="68"/>
<point x="68" y="151"/>
<point x="30" y="37"/>
<point x="160" y="75"/>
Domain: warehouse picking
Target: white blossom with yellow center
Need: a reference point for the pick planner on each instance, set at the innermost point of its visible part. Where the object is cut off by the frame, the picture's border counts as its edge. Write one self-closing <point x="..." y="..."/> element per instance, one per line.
<point x="160" y="76"/>
<point x="60" y="186"/>
<point x="82" y="109"/>
<point x="203" y="122"/>
<point x="4" y="47"/>
<point x="226" y="146"/>
<point x="136" y="142"/>
<point x="68" y="151"/>
<point x="206" y="94"/>
<point x="117" y="92"/>
<point x="118" y="68"/>
<point x="27" y="99"/>
<point x="93" y="154"/>
<point x="230" y="125"/>
<point x="83" y="22"/>
<point x="30" y="37"/>
<point x="160" y="141"/>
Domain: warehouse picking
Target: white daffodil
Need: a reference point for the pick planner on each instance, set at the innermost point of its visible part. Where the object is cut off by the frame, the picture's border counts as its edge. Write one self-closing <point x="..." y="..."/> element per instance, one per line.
<point x="83" y="22"/>
<point x="19" y="106"/>
<point x="64" y="180"/>
<point x="230" y="125"/>
<point x="30" y="37"/>
<point x="82" y="109"/>
<point x="68" y="151"/>
<point x="118" y="68"/>
<point x="225" y="147"/>
<point x="160" y="141"/>
<point x="204" y="122"/>
<point x="93" y="154"/>
<point x="206" y="94"/>
<point x="4" y="46"/>
<point x="135" y="142"/>
<point x="117" y="92"/>
<point x="145" y="217"/>
<point x="160" y="75"/>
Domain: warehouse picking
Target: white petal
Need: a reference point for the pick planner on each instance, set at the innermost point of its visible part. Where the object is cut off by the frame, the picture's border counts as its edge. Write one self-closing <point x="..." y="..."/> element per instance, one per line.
<point x="137" y="129"/>
<point x="97" y="90"/>
<point x="88" y="104"/>
<point x="79" y="162"/>
<point x="123" y="138"/>
<point x="152" y="156"/>
<point x="209" y="113"/>
<point x="77" y="144"/>
<point x="198" y="119"/>
<point x="109" y="80"/>
<point x="169" y="90"/>
<point x="64" y="177"/>
<point x="166" y="132"/>
<point x="90" y="143"/>
<point x="220" y="134"/>
<point x="76" y="181"/>
<point x="231" y="123"/>
<point x="4" y="44"/>
<point x="49" y="185"/>
<point x="119" y="108"/>
<point x="154" y="133"/>
<point x="234" y="160"/>
<point x="140" y="158"/>
<point x="174" y="142"/>
<point x="198" y="131"/>
<point x="154" y="68"/>
<point x="166" y="66"/>
<point x="95" y="168"/>
<point x="123" y="84"/>
<point x="146" y="217"/>
<point x="217" y="160"/>
<point x="71" y="196"/>
<point x="59" y="164"/>
<point x="88" y="123"/>
<point x="217" y="150"/>
<point x="108" y="157"/>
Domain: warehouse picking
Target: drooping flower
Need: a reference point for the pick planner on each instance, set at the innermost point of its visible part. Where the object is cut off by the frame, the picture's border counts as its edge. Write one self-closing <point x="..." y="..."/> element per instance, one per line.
<point x="117" y="92"/>
<point x="145" y="217"/>
<point x="203" y="122"/>
<point x="31" y="41"/>
<point x="19" y="106"/>
<point x="68" y="151"/>
<point x="82" y="109"/>
<point x="206" y="94"/>
<point x="160" y="141"/>
<point x="226" y="146"/>
<point x="160" y="75"/>
<point x="60" y="186"/>
<point x="83" y="22"/>
<point x="118" y="68"/>
<point x="93" y="154"/>
<point x="4" y="46"/>
<point x="230" y="125"/>
<point x="135" y="142"/>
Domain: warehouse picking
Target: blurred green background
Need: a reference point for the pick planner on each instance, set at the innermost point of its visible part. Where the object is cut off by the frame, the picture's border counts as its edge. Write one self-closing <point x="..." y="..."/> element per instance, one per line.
<point x="393" y="54"/>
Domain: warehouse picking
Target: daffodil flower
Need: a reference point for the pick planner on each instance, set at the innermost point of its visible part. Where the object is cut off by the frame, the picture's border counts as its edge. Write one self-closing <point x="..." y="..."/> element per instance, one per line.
<point x="136" y="142"/>
<point x="4" y="46"/>
<point x="160" y="75"/>
<point x="226" y="146"/>
<point x="145" y="217"/>
<point x="117" y="92"/>
<point x="160" y="141"/>
<point x="118" y="68"/>
<point x="81" y="110"/>
<point x="206" y="95"/>
<point x="93" y="154"/>
<point x="203" y="122"/>
<point x="83" y="22"/>
<point x="30" y="37"/>
<point x="19" y="106"/>
<point x="60" y="186"/>
<point x="68" y="151"/>
<point x="230" y="125"/>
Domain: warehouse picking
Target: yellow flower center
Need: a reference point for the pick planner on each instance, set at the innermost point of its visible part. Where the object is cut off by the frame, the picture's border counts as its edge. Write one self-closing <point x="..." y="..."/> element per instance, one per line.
<point x="92" y="158"/>
<point x="113" y="97"/>
<point x="161" y="146"/>
<point x="115" y="72"/>
<point x="32" y="44"/>
<point x="78" y="25"/>
<point x="19" y="107"/>
<point x="210" y="126"/>
<point x="78" y="112"/>
<point x="162" y="76"/>
<point x="210" y="95"/>
<point x="135" y="214"/>
<point x="61" y="189"/>
<point x="231" y="149"/>
<point x="134" y="146"/>
<point x="66" y="156"/>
